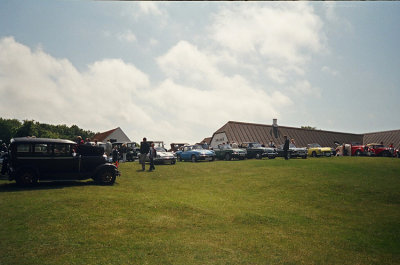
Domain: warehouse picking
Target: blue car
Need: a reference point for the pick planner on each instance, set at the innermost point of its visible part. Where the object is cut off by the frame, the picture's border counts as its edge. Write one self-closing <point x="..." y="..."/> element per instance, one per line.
<point x="195" y="153"/>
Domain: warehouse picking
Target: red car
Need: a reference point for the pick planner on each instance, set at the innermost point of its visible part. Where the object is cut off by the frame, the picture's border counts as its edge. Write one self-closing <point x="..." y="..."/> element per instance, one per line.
<point x="358" y="150"/>
<point x="379" y="150"/>
<point x="352" y="149"/>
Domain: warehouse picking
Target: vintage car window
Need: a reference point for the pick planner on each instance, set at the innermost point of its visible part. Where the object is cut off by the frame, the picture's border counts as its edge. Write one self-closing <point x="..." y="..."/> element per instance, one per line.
<point x="62" y="150"/>
<point x="197" y="147"/>
<point x="187" y="148"/>
<point x="256" y="145"/>
<point x="160" y="149"/>
<point x="42" y="149"/>
<point x="24" y="148"/>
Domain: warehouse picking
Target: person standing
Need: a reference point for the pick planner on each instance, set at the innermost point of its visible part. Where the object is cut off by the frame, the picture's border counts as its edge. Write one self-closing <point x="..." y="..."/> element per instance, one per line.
<point x="124" y="150"/>
<point x="144" y="150"/>
<point x="285" y="147"/>
<point x="152" y="155"/>
<point x="115" y="154"/>
<point x="271" y="144"/>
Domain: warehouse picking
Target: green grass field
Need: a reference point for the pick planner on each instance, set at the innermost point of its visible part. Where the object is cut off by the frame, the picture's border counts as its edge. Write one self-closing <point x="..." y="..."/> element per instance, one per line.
<point x="340" y="210"/>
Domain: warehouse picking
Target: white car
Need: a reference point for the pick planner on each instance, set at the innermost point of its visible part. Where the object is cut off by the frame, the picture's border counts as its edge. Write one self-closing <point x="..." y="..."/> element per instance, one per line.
<point x="164" y="157"/>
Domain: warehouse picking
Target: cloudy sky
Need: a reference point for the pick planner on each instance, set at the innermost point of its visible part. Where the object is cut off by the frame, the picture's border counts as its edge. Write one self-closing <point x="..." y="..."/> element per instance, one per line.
<point x="178" y="71"/>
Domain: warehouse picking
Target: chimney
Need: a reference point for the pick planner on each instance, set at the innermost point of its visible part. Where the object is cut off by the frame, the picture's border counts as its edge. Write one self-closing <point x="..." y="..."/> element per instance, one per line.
<point x="275" y="130"/>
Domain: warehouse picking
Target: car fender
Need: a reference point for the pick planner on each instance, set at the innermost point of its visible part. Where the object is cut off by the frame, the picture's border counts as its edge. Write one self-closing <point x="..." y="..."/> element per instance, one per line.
<point x="105" y="166"/>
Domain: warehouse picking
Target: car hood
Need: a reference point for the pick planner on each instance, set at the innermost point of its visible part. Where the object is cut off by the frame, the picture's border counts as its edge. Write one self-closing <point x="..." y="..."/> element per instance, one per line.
<point x="163" y="154"/>
<point x="298" y="149"/>
<point x="238" y="150"/>
<point x="326" y="149"/>
<point x="204" y="152"/>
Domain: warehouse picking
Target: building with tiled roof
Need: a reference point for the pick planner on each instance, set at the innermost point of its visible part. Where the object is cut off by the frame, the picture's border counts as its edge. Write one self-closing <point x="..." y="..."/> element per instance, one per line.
<point x="206" y="140"/>
<point x="114" y="135"/>
<point x="387" y="137"/>
<point x="240" y="132"/>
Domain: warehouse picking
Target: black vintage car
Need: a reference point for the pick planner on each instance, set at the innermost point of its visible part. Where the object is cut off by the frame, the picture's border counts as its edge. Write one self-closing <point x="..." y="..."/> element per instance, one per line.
<point x="293" y="151"/>
<point x="256" y="150"/>
<point x="33" y="159"/>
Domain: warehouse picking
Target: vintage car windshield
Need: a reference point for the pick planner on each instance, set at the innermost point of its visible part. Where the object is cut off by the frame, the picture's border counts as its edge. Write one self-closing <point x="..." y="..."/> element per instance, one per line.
<point x="225" y="147"/>
<point x="197" y="147"/>
<point x="292" y="146"/>
<point x="160" y="149"/>
<point x="256" y="145"/>
<point x="314" y="145"/>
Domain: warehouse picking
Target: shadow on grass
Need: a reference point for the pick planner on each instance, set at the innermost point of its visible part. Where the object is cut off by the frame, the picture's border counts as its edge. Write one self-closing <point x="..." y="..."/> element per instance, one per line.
<point x="45" y="185"/>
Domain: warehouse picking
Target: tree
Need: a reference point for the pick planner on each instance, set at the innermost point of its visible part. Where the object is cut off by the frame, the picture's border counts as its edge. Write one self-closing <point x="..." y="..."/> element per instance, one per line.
<point x="10" y="128"/>
<point x="308" y="127"/>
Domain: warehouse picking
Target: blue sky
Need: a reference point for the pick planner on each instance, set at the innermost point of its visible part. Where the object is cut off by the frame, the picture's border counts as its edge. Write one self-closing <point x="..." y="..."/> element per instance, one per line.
<point x="178" y="71"/>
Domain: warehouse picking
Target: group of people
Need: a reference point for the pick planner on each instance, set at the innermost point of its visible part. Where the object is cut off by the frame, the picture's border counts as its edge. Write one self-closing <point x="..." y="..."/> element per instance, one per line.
<point x="147" y="149"/>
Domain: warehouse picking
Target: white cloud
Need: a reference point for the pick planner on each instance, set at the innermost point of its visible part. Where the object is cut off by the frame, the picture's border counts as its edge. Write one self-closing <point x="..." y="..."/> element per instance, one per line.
<point x="202" y="87"/>
<point x="150" y="8"/>
<point x="212" y="94"/>
<point x="330" y="71"/>
<point x="127" y="36"/>
<point x="153" y="42"/>
<point x="304" y="87"/>
<point x="35" y="85"/>
<point x="112" y="93"/>
<point x="286" y="32"/>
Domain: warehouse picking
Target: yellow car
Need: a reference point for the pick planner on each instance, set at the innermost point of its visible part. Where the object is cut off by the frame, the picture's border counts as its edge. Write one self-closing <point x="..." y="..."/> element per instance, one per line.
<point x="316" y="150"/>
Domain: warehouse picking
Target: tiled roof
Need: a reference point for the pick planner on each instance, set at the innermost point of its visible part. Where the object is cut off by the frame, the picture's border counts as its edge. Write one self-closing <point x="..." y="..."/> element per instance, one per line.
<point x="386" y="137"/>
<point x="101" y="137"/>
<point x="206" y="140"/>
<point x="240" y="132"/>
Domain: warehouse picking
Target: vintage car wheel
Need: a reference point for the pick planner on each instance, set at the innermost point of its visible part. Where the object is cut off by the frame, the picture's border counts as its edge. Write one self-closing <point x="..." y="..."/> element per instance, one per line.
<point x="194" y="159"/>
<point x="258" y="156"/>
<point x="304" y="157"/>
<point x="358" y="153"/>
<point x="105" y="177"/>
<point x="26" y="178"/>
<point x="227" y="157"/>
<point x="173" y="162"/>
<point x="314" y="154"/>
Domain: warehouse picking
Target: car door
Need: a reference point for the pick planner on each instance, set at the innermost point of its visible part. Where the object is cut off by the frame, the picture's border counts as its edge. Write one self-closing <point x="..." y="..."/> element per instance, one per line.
<point x="186" y="153"/>
<point x="63" y="162"/>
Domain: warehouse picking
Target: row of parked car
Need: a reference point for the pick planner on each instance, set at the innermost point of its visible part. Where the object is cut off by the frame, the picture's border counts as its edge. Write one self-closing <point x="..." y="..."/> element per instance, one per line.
<point x="31" y="159"/>
<point x="373" y="149"/>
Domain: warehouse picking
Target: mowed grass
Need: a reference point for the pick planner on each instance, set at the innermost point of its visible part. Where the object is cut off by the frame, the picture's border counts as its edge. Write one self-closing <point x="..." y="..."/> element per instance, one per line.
<point x="340" y="210"/>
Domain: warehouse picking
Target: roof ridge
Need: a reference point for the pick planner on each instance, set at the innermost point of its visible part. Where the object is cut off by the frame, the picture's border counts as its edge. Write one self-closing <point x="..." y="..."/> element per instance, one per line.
<point x="288" y="127"/>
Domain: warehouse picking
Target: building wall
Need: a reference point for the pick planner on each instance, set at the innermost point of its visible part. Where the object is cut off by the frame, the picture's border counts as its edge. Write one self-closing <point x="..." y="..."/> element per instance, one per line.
<point x="386" y="137"/>
<point x="240" y="132"/>
<point x="119" y="135"/>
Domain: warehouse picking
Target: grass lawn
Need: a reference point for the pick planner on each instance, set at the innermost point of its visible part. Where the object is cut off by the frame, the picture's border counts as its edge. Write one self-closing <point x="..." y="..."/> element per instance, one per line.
<point x="340" y="210"/>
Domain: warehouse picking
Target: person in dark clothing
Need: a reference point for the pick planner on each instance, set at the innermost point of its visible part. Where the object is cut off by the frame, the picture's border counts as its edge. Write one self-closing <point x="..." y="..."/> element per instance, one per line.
<point x="286" y="147"/>
<point x="144" y="150"/>
<point x="115" y="154"/>
<point x="152" y="155"/>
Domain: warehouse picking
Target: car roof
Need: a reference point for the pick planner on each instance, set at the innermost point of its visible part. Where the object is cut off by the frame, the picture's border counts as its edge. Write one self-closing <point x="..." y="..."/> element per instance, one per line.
<point x="40" y="140"/>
